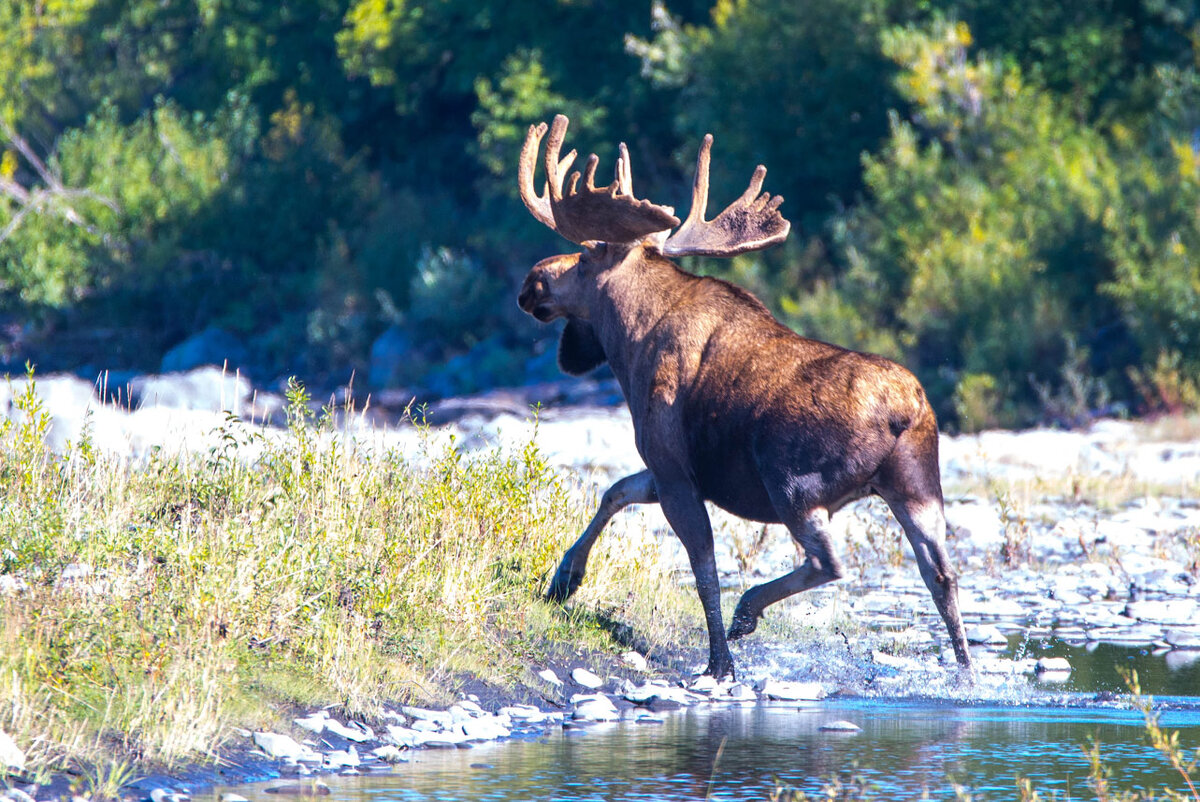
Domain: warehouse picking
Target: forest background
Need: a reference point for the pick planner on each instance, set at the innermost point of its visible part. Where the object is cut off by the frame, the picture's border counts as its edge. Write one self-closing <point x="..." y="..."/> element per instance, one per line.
<point x="1001" y="194"/>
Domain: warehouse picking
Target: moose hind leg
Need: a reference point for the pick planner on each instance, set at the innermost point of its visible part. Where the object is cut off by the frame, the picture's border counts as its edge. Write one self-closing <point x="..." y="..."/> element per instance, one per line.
<point x="924" y="524"/>
<point x="820" y="565"/>
<point x="637" y="488"/>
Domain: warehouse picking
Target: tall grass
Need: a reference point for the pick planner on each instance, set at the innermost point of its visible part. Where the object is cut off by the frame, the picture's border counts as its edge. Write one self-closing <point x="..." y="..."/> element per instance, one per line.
<point x="167" y="600"/>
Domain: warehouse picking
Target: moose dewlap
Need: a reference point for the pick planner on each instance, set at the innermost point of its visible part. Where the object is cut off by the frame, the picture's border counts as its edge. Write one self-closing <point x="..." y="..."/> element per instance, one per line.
<point x="728" y="405"/>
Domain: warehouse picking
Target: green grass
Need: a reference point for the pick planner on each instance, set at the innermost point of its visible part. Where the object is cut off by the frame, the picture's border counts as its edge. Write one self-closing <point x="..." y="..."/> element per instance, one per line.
<point x="279" y="569"/>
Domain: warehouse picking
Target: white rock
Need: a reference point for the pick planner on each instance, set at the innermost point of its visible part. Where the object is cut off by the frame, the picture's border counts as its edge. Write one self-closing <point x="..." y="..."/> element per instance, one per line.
<point x="1053" y="665"/>
<point x="402" y="736"/>
<point x="438" y="717"/>
<point x="487" y="728"/>
<point x="593" y="707"/>
<point x="548" y="675"/>
<point x="17" y="795"/>
<point x="424" y="725"/>
<point x="783" y="690"/>
<point x="230" y="796"/>
<point x="635" y="661"/>
<point x="342" y="758"/>
<point x="646" y="717"/>
<point x="10" y="754"/>
<point x="1170" y="612"/>
<point x="586" y="678"/>
<point x="389" y="754"/>
<point x="705" y="683"/>
<point x="11" y="585"/>
<point x="527" y="713"/>
<point x="353" y="731"/>
<point x="283" y="747"/>
<point x="840" y="726"/>
<point x="1183" y="638"/>
<point x="985" y="633"/>
<point x="314" y="723"/>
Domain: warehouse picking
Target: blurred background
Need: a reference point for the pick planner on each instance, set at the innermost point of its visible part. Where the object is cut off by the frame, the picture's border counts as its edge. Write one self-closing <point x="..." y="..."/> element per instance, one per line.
<point x="1001" y="194"/>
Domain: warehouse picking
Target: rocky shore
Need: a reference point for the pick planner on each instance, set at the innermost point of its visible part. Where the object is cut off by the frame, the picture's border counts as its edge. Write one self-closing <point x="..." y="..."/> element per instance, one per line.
<point x="1084" y="537"/>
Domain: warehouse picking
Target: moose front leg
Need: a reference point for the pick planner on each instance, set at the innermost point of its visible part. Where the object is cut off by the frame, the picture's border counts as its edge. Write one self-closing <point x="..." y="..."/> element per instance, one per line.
<point x="635" y="489"/>
<point x="684" y="510"/>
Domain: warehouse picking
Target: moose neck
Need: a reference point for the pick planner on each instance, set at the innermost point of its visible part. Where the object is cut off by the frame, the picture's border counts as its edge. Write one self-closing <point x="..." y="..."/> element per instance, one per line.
<point x="631" y="299"/>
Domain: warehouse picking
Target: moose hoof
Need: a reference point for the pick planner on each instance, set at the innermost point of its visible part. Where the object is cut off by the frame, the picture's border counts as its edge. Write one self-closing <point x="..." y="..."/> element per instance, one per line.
<point x="741" y="626"/>
<point x="562" y="586"/>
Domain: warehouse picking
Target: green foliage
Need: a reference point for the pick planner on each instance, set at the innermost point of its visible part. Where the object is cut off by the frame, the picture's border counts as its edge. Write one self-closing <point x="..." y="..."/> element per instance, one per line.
<point x="167" y="601"/>
<point x="978" y="189"/>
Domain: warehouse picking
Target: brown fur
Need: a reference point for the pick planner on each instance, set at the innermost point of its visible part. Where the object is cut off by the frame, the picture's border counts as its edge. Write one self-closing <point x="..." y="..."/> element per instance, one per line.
<point x="728" y="405"/>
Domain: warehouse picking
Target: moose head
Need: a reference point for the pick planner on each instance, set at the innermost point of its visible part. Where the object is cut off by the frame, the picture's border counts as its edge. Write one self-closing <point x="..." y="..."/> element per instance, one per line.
<point x="728" y="405"/>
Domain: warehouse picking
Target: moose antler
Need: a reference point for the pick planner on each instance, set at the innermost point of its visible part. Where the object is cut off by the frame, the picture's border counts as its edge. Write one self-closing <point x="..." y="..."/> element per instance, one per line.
<point x="749" y="223"/>
<point x="608" y="214"/>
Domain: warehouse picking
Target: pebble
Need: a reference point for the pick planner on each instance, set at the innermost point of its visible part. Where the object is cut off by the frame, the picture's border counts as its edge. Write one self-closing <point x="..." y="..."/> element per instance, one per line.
<point x="840" y="726"/>
<point x="10" y="754"/>
<point x="548" y="675"/>
<point x="284" y="747"/>
<point x="389" y="753"/>
<point x="317" y="788"/>
<point x="986" y="634"/>
<point x="635" y="661"/>
<point x="17" y="795"/>
<point x="593" y="707"/>
<point x="230" y="796"/>
<point x="1053" y="665"/>
<point x="586" y="678"/>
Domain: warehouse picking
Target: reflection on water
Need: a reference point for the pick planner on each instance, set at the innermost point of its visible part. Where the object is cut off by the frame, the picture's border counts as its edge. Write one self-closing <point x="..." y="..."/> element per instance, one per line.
<point x="736" y="753"/>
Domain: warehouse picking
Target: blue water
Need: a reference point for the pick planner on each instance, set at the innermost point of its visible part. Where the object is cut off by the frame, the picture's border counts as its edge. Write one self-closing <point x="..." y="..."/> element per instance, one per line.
<point x="905" y="749"/>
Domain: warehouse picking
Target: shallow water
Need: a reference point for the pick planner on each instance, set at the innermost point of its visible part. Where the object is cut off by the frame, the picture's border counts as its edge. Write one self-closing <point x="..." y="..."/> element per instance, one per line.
<point x="734" y="753"/>
<point x="1004" y="728"/>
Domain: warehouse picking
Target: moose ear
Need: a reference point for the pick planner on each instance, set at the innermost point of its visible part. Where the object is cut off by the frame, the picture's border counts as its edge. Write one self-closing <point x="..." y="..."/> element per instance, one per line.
<point x="579" y="349"/>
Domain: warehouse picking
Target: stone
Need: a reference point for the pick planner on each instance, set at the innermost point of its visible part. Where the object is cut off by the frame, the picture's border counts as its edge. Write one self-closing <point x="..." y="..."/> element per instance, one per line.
<point x="1053" y="665"/>
<point x="230" y="796"/>
<point x="209" y="389"/>
<point x="283" y="747"/>
<point x="11" y="585"/>
<point x="704" y="684"/>
<point x="1170" y="612"/>
<point x="212" y="346"/>
<point x="841" y="725"/>
<point x="785" y="691"/>
<point x="549" y="676"/>
<point x="635" y="661"/>
<point x="314" y="723"/>
<point x="342" y="758"/>
<point x="593" y="707"/>
<point x="485" y="728"/>
<point x="353" y="731"/>
<point x="391" y="359"/>
<point x="17" y="795"/>
<point x="985" y="634"/>
<point x="1183" y="638"/>
<point x="586" y="678"/>
<point x="390" y="754"/>
<point x="316" y="788"/>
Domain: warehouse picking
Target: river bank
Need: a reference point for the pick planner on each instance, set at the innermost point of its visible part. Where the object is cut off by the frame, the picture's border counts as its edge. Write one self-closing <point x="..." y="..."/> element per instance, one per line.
<point x="1087" y="538"/>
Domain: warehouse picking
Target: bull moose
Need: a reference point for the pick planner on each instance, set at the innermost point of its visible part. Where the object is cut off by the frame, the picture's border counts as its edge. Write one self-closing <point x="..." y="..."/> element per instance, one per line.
<point x="729" y="406"/>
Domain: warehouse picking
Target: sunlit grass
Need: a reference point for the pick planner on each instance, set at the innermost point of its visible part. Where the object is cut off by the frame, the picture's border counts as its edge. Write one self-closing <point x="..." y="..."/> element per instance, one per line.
<point x="168" y="601"/>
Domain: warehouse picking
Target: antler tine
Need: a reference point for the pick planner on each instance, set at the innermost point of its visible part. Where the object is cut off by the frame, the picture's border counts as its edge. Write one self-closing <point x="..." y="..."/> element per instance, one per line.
<point x="750" y="223"/>
<point x="696" y="214"/>
<point x="538" y="205"/>
<point x="624" y="173"/>
<point x="588" y="212"/>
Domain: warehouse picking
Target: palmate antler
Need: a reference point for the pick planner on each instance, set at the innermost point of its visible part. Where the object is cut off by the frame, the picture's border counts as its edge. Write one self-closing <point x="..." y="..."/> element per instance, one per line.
<point x="609" y="214"/>
<point x="613" y="214"/>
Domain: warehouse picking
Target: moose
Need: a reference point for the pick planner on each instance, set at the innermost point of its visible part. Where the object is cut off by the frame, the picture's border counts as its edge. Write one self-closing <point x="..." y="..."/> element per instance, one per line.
<point x="729" y="406"/>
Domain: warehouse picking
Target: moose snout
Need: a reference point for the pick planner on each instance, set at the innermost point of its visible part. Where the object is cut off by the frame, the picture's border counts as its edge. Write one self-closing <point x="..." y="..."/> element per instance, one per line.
<point x="534" y="300"/>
